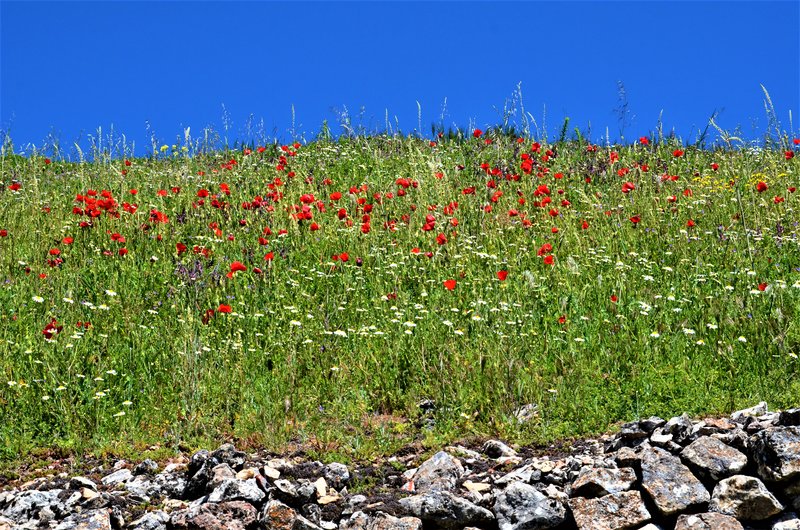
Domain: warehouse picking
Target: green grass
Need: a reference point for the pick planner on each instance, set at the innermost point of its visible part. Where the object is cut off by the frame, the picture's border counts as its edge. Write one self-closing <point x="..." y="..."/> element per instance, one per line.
<point x="336" y="355"/>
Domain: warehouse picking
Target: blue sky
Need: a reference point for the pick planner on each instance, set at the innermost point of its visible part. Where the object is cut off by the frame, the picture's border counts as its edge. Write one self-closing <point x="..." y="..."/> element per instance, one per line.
<point x="70" y="67"/>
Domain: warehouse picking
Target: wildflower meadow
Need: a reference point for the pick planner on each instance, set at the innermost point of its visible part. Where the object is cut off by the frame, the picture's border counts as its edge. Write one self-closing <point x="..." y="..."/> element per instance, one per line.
<point x="317" y="292"/>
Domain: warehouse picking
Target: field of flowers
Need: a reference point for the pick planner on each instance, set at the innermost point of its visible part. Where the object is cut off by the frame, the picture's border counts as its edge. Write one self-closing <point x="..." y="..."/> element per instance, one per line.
<point x="317" y="293"/>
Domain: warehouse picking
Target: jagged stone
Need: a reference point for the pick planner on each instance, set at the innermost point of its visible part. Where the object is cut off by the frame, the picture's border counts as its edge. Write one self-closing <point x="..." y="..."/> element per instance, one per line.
<point x="277" y="516"/>
<point x="707" y="521"/>
<point x="440" y="472"/>
<point x="776" y="453"/>
<point x="117" y="477"/>
<point x="145" y="467"/>
<point x="337" y="474"/>
<point x="235" y="515"/>
<point x="379" y="521"/>
<point x="77" y="483"/>
<point x="670" y="484"/>
<point x="497" y="449"/>
<point x="233" y="489"/>
<point x="757" y="410"/>
<point x="521" y="506"/>
<point x="597" y="482"/>
<point x="445" y="509"/>
<point x="788" y="521"/>
<point x="156" y="520"/>
<point x="789" y="418"/>
<point x="88" y="520"/>
<point x="714" y="459"/>
<point x="27" y="504"/>
<point x="227" y="454"/>
<point x="680" y="427"/>
<point x="744" y="497"/>
<point x="617" y="511"/>
<point x="527" y="473"/>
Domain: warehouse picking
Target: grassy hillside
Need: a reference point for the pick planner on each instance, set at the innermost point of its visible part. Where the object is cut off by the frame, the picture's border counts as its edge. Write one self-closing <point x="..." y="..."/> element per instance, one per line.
<point x="317" y="293"/>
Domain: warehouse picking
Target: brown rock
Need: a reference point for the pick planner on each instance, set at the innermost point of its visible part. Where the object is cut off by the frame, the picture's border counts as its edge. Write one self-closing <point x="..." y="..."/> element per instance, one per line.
<point x="617" y="511"/>
<point x="277" y="516"/>
<point x="745" y="498"/>
<point x="707" y="521"/>
<point x="597" y="482"/>
<point x="713" y="458"/>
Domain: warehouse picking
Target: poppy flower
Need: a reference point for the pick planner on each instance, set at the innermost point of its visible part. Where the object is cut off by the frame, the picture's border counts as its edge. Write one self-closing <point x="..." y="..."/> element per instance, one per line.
<point x="635" y="219"/>
<point x="677" y="153"/>
<point x="224" y="308"/>
<point x="344" y="256"/>
<point x="562" y="319"/>
<point x="269" y="256"/>
<point x="449" y="284"/>
<point x="547" y="248"/>
<point x="761" y="186"/>
<point x="51" y="329"/>
<point x="441" y="239"/>
<point x="614" y="298"/>
<point x="548" y="260"/>
<point x="788" y="155"/>
<point x="628" y="186"/>
<point x="236" y="266"/>
<point x="128" y="163"/>
<point x="477" y="133"/>
<point x="585" y="225"/>
<point x="644" y="140"/>
<point x="690" y="223"/>
<point x="762" y="286"/>
<point x="714" y="166"/>
<point x="502" y="275"/>
<point x="4" y="233"/>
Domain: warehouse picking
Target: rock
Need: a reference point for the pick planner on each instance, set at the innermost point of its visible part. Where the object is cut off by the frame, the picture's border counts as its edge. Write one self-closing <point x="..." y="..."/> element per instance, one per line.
<point x="198" y="483"/>
<point x="744" y="498"/>
<point x="145" y="467"/>
<point x="792" y="493"/>
<point x="497" y="449"/>
<point x="440" y="472"/>
<point x="336" y="474"/>
<point x="117" y="477"/>
<point x="271" y="473"/>
<point x="77" y="483"/>
<point x="277" y="516"/>
<point x="627" y="457"/>
<point x="659" y="438"/>
<point x="476" y="487"/>
<point x="88" y="520"/>
<point x="156" y="520"/>
<point x="142" y="488"/>
<point x="707" y="521"/>
<point x="527" y="473"/>
<point x="227" y="454"/>
<point x="233" y="489"/>
<point x="616" y="511"/>
<point x="776" y="453"/>
<point x="713" y="459"/>
<point x="788" y="418"/>
<point x="445" y="509"/>
<point x="236" y="515"/>
<point x="169" y="484"/>
<point x="757" y="410"/>
<point x="680" y="427"/>
<point x="597" y="482"/>
<point x="669" y="483"/>
<point x="321" y="487"/>
<point x="27" y="504"/>
<point x="380" y="521"/>
<point x="789" y="521"/>
<point x="521" y="506"/>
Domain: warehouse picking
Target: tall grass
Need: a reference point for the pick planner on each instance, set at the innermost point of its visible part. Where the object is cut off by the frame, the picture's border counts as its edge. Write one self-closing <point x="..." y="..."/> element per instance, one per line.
<point x="337" y="335"/>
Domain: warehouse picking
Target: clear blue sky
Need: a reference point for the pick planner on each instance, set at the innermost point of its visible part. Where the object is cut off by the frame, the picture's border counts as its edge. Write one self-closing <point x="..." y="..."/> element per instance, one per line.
<point x="69" y="67"/>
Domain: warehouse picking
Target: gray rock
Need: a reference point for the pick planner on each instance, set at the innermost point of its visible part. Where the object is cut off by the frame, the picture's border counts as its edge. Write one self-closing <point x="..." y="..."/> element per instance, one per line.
<point x="117" y="477"/>
<point x="76" y="483"/>
<point x="790" y="417"/>
<point x="170" y="484"/>
<point x="521" y="506"/>
<point x="227" y="454"/>
<point x="707" y="521"/>
<point x="236" y="515"/>
<point x="776" y="453"/>
<point x="197" y="485"/>
<point x="597" y="482"/>
<point x="527" y="473"/>
<point x="379" y="521"/>
<point x="142" y="488"/>
<point x="336" y="474"/>
<point x="440" y="472"/>
<point x="788" y="521"/>
<point x="145" y="467"/>
<point x="714" y="459"/>
<point x="740" y="415"/>
<point x="219" y="474"/>
<point x="156" y="520"/>
<point x="669" y="483"/>
<point x="277" y="516"/>
<point x="27" y="504"/>
<point x="445" y="509"/>
<point x="617" y="511"/>
<point x="88" y="520"/>
<point x="497" y="449"/>
<point x="680" y="427"/>
<point x="744" y="498"/>
<point x="233" y="489"/>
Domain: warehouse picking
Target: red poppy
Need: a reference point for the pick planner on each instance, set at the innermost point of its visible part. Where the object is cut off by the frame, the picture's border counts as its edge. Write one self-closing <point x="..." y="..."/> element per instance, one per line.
<point x="584" y="225"/>
<point x="547" y="248"/>
<point x="562" y="319"/>
<point x="224" y="308"/>
<point x="415" y="250"/>
<point x="236" y="266"/>
<point x="450" y="284"/>
<point x="269" y="256"/>
<point x="52" y="328"/>
<point x="714" y="166"/>
<point x="441" y="239"/>
<point x="635" y="219"/>
<point x="4" y="233"/>
<point x="614" y="298"/>
<point x="788" y="155"/>
<point x="502" y="275"/>
<point x="128" y="163"/>
<point x="548" y="260"/>
<point x="628" y="186"/>
<point x="644" y="140"/>
<point x="690" y="223"/>
<point x="761" y="186"/>
<point x="123" y="251"/>
<point x="762" y="286"/>
<point x="344" y="256"/>
<point x="477" y="133"/>
<point x="677" y="153"/>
